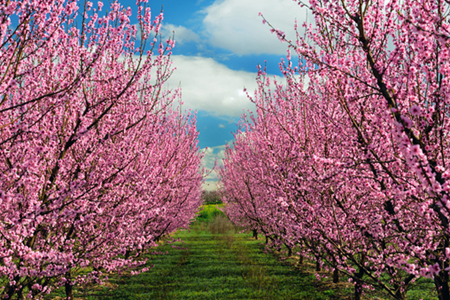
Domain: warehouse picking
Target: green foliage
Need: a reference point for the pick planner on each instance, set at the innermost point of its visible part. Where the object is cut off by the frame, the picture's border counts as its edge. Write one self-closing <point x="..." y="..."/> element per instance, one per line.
<point x="209" y="212"/>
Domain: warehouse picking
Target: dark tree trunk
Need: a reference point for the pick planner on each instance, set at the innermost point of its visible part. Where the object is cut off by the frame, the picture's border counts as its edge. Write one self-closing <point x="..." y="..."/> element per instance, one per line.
<point x="20" y="294"/>
<point x="255" y="234"/>
<point x="400" y="295"/>
<point x="12" y="289"/>
<point x="10" y="292"/>
<point x="358" y="281"/>
<point x="335" y="275"/>
<point x="68" y="286"/>
<point x="318" y="268"/>
<point x="289" y="250"/>
<point x="442" y="287"/>
<point x="358" y="290"/>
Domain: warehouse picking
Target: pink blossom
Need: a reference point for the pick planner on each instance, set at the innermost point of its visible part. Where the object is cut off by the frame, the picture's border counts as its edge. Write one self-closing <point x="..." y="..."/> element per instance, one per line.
<point x="415" y="110"/>
<point x="415" y="150"/>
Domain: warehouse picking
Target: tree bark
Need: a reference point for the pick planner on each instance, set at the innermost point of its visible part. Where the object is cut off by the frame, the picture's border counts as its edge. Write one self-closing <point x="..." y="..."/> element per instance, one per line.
<point x="68" y="286"/>
<point x="12" y="289"/>
<point x="358" y="281"/>
<point x="358" y="290"/>
<point x="335" y="275"/>
<point x="300" y="261"/>
<point x="318" y="268"/>
<point x="289" y="250"/>
<point x="442" y="286"/>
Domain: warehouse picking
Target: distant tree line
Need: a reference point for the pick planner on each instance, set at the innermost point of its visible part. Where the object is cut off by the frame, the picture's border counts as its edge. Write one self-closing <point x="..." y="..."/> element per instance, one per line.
<point x="211" y="197"/>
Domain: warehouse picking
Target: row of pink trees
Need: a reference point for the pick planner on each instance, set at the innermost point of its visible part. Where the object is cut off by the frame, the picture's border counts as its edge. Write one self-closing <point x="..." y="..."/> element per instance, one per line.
<point x="349" y="158"/>
<point x="96" y="163"/>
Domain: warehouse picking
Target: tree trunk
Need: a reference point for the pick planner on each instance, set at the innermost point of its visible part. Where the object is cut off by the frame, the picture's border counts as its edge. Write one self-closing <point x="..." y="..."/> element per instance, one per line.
<point x="335" y="275"/>
<point x="318" y="268"/>
<point x="300" y="261"/>
<point x="267" y="239"/>
<point x="12" y="288"/>
<point x="400" y="295"/>
<point x="289" y="250"/>
<point x="358" y="290"/>
<point x="358" y="281"/>
<point x="10" y="292"/>
<point x="442" y="287"/>
<point x="20" y="294"/>
<point x="68" y="286"/>
<point x="255" y="234"/>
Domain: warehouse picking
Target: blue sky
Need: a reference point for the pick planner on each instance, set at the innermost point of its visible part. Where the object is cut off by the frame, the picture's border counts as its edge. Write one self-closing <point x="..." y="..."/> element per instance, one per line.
<point x="218" y="47"/>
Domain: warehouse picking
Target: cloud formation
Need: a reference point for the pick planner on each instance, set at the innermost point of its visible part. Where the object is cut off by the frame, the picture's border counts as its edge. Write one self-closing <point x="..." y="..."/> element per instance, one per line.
<point x="211" y="154"/>
<point x="182" y="34"/>
<point x="236" y="26"/>
<point x="211" y="86"/>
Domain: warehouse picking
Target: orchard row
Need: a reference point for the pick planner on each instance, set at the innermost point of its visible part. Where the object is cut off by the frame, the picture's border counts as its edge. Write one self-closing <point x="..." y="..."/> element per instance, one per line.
<point x="96" y="162"/>
<point x="349" y="156"/>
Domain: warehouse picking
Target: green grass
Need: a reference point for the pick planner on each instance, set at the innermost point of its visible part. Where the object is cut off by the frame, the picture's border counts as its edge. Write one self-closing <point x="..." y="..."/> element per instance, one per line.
<point x="213" y="266"/>
<point x="209" y="212"/>
<point x="213" y="261"/>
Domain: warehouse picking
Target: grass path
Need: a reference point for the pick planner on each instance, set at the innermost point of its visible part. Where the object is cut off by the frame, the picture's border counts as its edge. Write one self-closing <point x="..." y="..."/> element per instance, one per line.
<point x="213" y="266"/>
<point x="213" y="261"/>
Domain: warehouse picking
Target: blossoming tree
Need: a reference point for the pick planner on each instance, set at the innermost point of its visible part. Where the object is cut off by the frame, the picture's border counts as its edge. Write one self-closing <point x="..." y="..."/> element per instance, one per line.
<point x="371" y="181"/>
<point x="96" y="162"/>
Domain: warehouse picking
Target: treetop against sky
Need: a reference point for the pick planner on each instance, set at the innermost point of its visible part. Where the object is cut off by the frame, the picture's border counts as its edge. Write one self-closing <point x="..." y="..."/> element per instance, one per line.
<point x="218" y="47"/>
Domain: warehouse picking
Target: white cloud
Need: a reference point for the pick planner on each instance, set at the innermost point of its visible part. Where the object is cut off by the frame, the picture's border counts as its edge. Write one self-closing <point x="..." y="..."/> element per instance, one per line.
<point x="221" y="126"/>
<point x="209" y="186"/>
<point x="211" y="155"/>
<point x="210" y="86"/>
<point x="182" y="34"/>
<point x="236" y="26"/>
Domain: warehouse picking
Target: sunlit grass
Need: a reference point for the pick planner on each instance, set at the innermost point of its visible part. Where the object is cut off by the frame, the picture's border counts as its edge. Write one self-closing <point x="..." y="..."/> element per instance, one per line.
<point x="209" y="212"/>
<point x="215" y="261"/>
